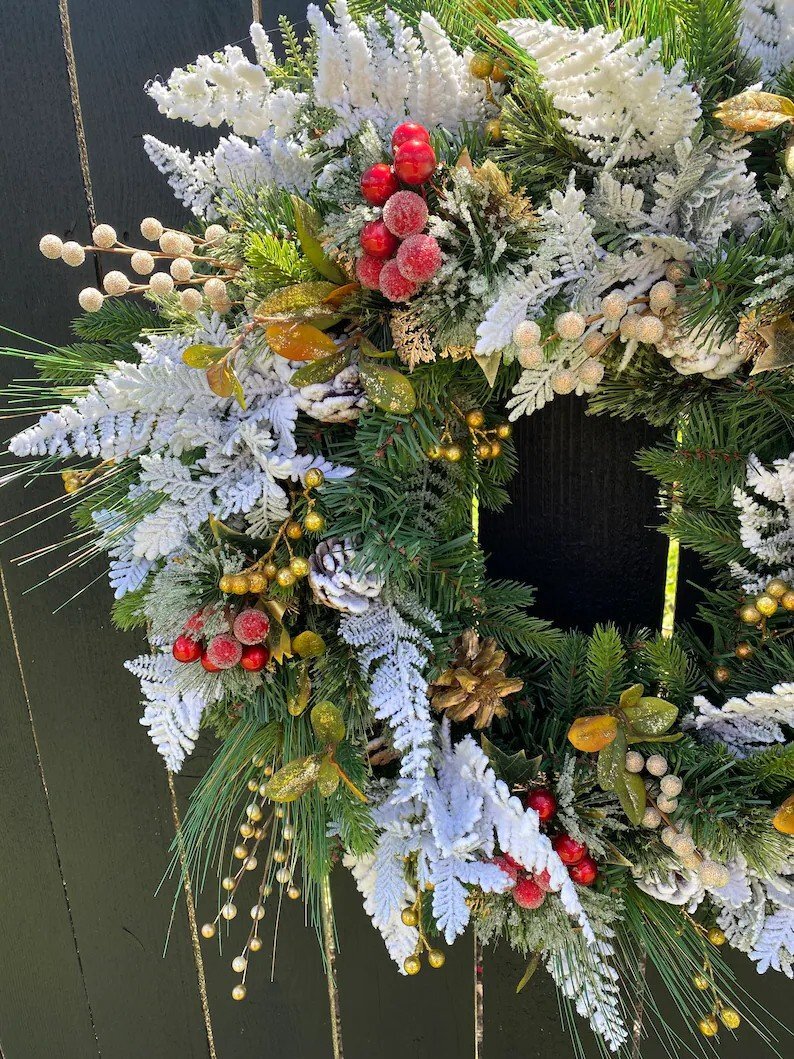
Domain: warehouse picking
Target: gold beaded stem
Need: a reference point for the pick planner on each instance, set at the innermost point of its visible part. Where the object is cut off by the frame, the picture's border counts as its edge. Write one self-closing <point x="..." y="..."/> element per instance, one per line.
<point x="329" y="955"/>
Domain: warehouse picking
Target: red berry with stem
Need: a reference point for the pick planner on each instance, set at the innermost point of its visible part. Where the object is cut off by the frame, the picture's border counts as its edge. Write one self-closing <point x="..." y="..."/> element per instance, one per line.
<point x="408" y="130"/>
<point x="368" y="272"/>
<point x="543" y="879"/>
<point x="379" y="183"/>
<point x="543" y="802"/>
<point x="186" y="650"/>
<point x="419" y="258"/>
<point x="394" y="285"/>
<point x="585" y="872"/>
<point x="513" y="862"/>
<point x="414" y="161"/>
<point x="508" y="866"/>
<point x="377" y="241"/>
<point x="255" y="657"/>
<point x="224" y="651"/>
<point x="208" y="665"/>
<point x="527" y="893"/>
<point x="568" y="849"/>
<point x="405" y="214"/>
<point x="251" y="625"/>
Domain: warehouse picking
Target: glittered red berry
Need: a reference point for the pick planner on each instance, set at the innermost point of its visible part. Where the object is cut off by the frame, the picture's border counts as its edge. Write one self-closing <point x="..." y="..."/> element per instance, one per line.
<point x="409" y="130"/>
<point x="251" y="626"/>
<point x="419" y="258"/>
<point x="368" y="272"/>
<point x="377" y="241"/>
<point x="224" y="651"/>
<point x="543" y="879"/>
<point x="394" y="285"/>
<point x="378" y="183"/>
<point x="585" y="872"/>
<point x="207" y="664"/>
<point x="254" y="657"/>
<point x="568" y="849"/>
<point x="543" y="802"/>
<point x="186" y="650"/>
<point x="508" y="866"/>
<point x="527" y="893"/>
<point x="194" y="624"/>
<point x="414" y="161"/>
<point x="405" y="214"/>
<point x="513" y="862"/>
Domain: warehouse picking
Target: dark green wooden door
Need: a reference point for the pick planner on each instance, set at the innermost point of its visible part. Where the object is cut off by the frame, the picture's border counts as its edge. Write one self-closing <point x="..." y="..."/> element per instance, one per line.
<point x="88" y="812"/>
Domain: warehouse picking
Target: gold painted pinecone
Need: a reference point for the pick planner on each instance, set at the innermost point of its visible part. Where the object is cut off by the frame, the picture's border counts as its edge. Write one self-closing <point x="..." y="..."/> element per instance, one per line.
<point x="476" y="684"/>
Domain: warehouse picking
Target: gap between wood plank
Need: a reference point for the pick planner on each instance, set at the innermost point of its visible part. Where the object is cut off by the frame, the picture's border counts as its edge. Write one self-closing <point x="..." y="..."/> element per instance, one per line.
<point x="43" y="780"/>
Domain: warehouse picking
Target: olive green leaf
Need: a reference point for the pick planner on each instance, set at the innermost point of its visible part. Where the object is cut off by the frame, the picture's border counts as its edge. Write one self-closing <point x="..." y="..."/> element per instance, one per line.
<point x="532" y="966"/>
<point x="651" y="716"/>
<point x="202" y="356"/>
<point x="322" y="370"/>
<point x="631" y="696"/>
<point x="297" y="703"/>
<point x="308" y="644"/>
<point x="630" y="790"/>
<point x="308" y="225"/>
<point x="296" y="298"/>
<point x="328" y="778"/>
<point x="327" y="723"/>
<point x="611" y="762"/>
<point x="294" y="779"/>
<point x="387" y="388"/>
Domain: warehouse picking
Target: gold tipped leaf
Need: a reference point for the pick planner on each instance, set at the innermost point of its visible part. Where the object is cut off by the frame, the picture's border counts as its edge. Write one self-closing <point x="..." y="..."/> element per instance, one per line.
<point x="322" y="370"/>
<point x="591" y="734"/>
<point x="299" y="341"/>
<point x="755" y="111"/>
<point x="387" y="388"/>
<point x="296" y="298"/>
<point x="202" y="356"/>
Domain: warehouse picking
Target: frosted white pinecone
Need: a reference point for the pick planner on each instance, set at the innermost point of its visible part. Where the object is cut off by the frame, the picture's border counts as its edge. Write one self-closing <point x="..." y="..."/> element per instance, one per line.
<point x="334" y="580"/>
<point x="697" y="353"/>
<point x="338" y="401"/>
<point x="679" y="888"/>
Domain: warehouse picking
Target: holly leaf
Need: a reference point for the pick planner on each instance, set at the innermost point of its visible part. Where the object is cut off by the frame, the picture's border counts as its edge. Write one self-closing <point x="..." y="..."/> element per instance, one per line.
<point x="611" y="762"/>
<point x="202" y="356"/>
<point x="651" y="716"/>
<point x="300" y="341"/>
<point x="387" y="388"/>
<point x="514" y="769"/>
<point x="322" y="370"/>
<point x="308" y="225"/>
<point x="630" y="790"/>
<point x="294" y="779"/>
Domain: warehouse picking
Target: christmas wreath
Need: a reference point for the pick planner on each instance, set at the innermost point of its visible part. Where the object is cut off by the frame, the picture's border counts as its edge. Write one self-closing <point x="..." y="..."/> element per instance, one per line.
<point x="419" y="226"/>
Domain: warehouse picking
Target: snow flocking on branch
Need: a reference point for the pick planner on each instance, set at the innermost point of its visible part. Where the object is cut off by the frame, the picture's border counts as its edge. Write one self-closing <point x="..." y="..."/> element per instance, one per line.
<point x="172" y="716"/>
<point x="745" y="725"/>
<point x="766" y="514"/>
<point x="767" y="34"/>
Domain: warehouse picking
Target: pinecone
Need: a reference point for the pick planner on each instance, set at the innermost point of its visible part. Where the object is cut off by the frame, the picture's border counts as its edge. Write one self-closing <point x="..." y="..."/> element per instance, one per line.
<point x="476" y="684"/>
<point x="340" y="400"/>
<point x="336" y="583"/>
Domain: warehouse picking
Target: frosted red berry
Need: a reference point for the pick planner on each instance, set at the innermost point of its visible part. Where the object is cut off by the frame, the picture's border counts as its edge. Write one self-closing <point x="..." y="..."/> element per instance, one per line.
<point x="414" y="161"/>
<point x="254" y="657"/>
<point x="543" y="802"/>
<point x="405" y="214"/>
<point x="194" y="624"/>
<point x="585" y="872"/>
<point x="394" y="285"/>
<point x="513" y="862"/>
<point x="527" y="893"/>
<point x="251" y="626"/>
<point x="408" y="130"/>
<point x="378" y="183"/>
<point x="224" y="651"/>
<point x="377" y="241"/>
<point x="207" y="664"/>
<point x="543" y="879"/>
<point x="568" y="849"/>
<point x="419" y="258"/>
<point x="508" y="866"/>
<point x="186" y="649"/>
<point x="368" y="271"/>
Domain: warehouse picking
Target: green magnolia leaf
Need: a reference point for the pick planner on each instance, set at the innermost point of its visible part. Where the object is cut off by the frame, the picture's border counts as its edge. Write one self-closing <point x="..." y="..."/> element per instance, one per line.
<point x="532" y="966"/>
<point x="630" y="790"/>
<point x="387" y="388"/>
<point x="297" y="703"/>
<point x="322" y="370"/>
<point x="294" y="779"/>
<point x="633" y="738"/>
<point x="651" y="716"/>
<point x="631" y="696"/>
<point x="296" y="298"/>
<point x="514" y="769"/>
<point x="611" y="762"/>
<point x="308" y="644"/>
<point x="328" y="778"/>
<point x="308" y="225"/>
<point x="327" y="723"/>
<point x="203" y="356"/>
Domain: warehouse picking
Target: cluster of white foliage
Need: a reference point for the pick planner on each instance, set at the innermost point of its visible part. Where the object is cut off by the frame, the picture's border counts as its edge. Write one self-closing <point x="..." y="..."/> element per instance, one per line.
<point x="746" y="725"/>
<point x="757" y="915"/>
<point x="453" y="831"/>
<point x="157" y="410"/>
<point x="586" y="977"/>
<point x="394" y="655"/>
<point x="378" y="75"/>
<point x="766" y="519"/>
<point x="767" y="34"/>
<point x="172" y="714"/>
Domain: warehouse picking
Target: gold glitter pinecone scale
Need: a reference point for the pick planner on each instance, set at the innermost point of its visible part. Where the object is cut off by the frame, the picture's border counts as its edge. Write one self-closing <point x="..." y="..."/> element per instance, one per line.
<point x="476" y="684"/>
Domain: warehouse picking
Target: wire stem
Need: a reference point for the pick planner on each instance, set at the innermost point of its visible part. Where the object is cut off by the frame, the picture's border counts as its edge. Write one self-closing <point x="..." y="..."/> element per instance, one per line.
<point x="329" y="952"/>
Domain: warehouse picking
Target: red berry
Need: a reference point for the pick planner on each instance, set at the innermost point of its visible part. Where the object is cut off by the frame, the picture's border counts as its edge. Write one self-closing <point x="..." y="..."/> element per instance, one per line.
<point x="251" y="625"/>
<point x="208" y="665"/>
<point x="377" y="241"/>
<point x="585" y="872"/>
<point x="568" y="849"/>
<point x="224" y="651"/>
<point x="368" y="272"/>
<point x="405" y="214"/>
<point x="255" y="657"/>
<point x="378" y="183"/>
<point x="186" y="650"/>
<point x="543" y="802"/>
<point x="414" y="161"/>
<point x="507" y="865"/>
<point x="419" y="258"/>
<point x="513" y="862"/>
<point x="543" y="880"/>
<point x="527" y="893"/>
<point x="394" y="285"/>
<point x="409" y="130"/>
<point x="194" y="624"/>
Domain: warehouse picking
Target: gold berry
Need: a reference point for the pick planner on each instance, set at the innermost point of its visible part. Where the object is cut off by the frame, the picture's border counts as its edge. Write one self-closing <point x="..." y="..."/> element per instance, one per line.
<point x="436" y="958"/>
<point x="731" y="1018"/>
<point x="493" y="130"/>
<point x="766" y="604"/>
<point x="239" y="992"/>
<point x="475" y="418"/>
<point x="208" y="930"/>
<point x="434" y="452"/>
<point x="270" y="570"/>
<point x="496" y="449"/>
<point x="239" y="584"/>
<point x="504" y="431"/>
<point x="716" y="936"/>
<point x="481" y="66"/>
<point x="241" y="852"/>
<point x="314" y="478"/>
<point x="750" y="614"/>
<point x="499" y="72"/>
<point x="299" y="566"/>
<point x="708" y="1026"/>
<point x="294" y="531"/>
<point x="700" y="982"/>
<point x="225" y="584"/>
<point x="787" y="600"/>
<point x="293" y="893"/>
<point x="744" y="650"/>
<point x="285" y="577"/>
<point x="255" y="944"/>
<point x="314" y="522"/>
<point x="722" y="674"/>
<point x="412" y="965"/>
<point x="777" y="588"/>
<point x="484" y="450"/>
<point x="257" y="583"/>
<point x="228" y="883"/>
<point x="409" y="917"/>
<point x="453" y="453"/>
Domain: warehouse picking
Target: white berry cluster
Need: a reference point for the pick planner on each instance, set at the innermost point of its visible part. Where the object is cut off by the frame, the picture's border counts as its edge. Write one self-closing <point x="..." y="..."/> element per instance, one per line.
<point x="182" y="250"/>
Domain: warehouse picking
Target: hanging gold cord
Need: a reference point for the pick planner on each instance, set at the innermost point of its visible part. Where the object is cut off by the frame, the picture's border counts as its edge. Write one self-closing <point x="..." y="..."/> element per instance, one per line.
<point x="329" y="953"/>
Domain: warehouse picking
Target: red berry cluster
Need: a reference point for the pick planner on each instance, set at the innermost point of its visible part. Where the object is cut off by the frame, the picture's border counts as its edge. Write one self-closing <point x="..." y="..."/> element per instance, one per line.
<point x="530" y="889"/>
<point x="242" y="646"/>
<point x="398" y="256"/>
